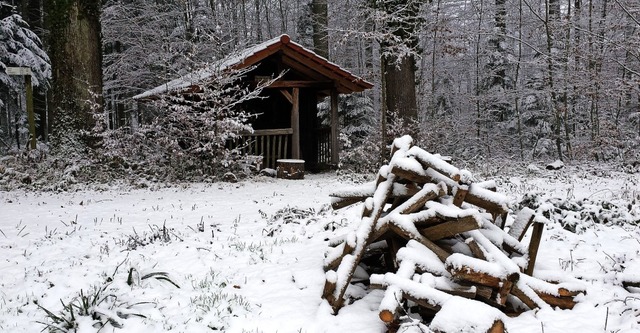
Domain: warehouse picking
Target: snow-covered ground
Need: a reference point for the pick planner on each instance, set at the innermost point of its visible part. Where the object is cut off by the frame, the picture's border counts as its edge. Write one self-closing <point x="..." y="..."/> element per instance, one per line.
<point x="248" y="257"/>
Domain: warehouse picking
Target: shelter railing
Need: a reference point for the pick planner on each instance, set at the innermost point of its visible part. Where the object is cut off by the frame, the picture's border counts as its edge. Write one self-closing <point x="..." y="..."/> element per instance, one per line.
<point x="323" y="135"/>
<point x="271" y="144"/>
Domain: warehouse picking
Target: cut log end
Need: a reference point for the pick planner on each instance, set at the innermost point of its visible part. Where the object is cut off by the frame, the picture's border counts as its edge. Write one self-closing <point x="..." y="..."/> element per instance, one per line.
<point x="387" y="316"/>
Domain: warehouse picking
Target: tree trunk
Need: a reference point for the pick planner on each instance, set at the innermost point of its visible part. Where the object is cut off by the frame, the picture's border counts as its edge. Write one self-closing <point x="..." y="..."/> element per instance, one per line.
<point x="320" y="14"/>
<point x="76" y="61"/>
<point x="400" y="95"/>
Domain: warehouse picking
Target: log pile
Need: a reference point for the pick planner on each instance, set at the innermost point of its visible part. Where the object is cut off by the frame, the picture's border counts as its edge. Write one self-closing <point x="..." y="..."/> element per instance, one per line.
<point x="430" y="237"/>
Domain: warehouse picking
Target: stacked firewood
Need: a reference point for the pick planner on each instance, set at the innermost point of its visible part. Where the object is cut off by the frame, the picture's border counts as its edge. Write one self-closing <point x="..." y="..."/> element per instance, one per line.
<point x="431" y="237"/>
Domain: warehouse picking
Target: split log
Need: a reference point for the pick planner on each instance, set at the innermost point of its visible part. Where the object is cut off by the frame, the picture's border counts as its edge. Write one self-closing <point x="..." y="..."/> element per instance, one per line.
<point x="470" y="274"/>
<point x="505" y="289"/>
<point x="630" y="284"/>
<point x="345" y="248"/>
<point x="489" y="185"/>
<point x="367" y="227"/>
<point x="509" y="244"/>
<point x="461" y="193"/>
<point x="392" y="300"/>
<point x="492" y="202"/>
<point x="415" y="235"/>
<point x="451" y="228"/>
<point x="486" y="319"/>
<point x="532" y="303"/>
<point x="501" y="219"/>
<point x="417" y="201"/>
<point x="430" y="161"/>
<point x="466" y="292"/>
<point x="411" y="175"/>
<point x="422" y="302"/>
<point x="536" y="237"/>
<point x="529" y="292"/>
<point x="344" y="198"/>
<point x="563" y="302"/>
<point x="329" y="286"/>
<point x="522" y="222"/>
<point x="400" y="286"/>
<point x="497" y="327"/>
<point x="477" y="195"/>
<point x="476" y="249"/>
<point x="339" y="203"/>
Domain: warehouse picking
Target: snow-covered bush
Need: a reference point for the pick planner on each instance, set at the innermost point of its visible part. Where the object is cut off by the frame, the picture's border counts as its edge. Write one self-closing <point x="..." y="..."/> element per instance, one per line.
<point x="190" y="135"/>
<point x="577" y="215"/>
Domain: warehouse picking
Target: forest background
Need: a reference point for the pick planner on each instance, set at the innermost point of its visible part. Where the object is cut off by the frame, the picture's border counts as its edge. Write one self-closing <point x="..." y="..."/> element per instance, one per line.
<point x="516" y="80"/>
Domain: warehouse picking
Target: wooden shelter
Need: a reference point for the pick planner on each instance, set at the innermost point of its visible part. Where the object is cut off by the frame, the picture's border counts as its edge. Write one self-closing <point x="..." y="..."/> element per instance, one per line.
<point x="287" y="125"/>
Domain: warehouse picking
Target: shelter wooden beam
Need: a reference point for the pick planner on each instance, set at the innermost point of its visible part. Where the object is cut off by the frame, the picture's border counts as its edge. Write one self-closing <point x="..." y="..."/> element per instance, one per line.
<point x="300" y="84"/>
<point x="295" y="124"/>
<point x="335" y="147"/>
<point x="287" y="95"/>
<point x="310" y="63"/>
<point x="299" y="67"/>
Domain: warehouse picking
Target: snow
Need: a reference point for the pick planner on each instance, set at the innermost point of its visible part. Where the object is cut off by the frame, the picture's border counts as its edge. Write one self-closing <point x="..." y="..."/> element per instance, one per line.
<point x="403" y="143"/>
<point x="555" y="165"/>
<point x="407" y="163"/>
<point x="203" y="74"/>
<point x="423" y="258"/>
<point x="367" y="190"/>
<point x="523" y="217"/>
<point x="478" y="317"/>
<point x="235" y="277"/>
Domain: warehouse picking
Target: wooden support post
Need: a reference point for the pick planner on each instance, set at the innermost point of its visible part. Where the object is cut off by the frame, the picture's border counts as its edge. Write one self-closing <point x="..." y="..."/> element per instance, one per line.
<point x="536" y="237"/>
<point x="30" y="116"/>
<point x="335" y="147"/>
<point x="26" y="73"/>
<point x="295" y="124"/>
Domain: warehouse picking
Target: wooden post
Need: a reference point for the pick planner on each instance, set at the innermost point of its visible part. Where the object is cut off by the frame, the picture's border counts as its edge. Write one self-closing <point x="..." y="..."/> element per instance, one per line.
<point x="30" y="116"/>
<point x="26" y="73"/>
<point x="335" y="147"/>
<point x="295" y="124"/>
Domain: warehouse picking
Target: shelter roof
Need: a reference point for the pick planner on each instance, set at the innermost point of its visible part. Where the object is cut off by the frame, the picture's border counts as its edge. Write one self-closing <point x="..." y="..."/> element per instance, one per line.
<point x="296" y="54"/>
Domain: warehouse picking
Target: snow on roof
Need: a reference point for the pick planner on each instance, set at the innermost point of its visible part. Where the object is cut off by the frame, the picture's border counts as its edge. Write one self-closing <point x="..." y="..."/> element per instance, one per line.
<point x="200" y="75"/>
<point x="241" y="59"/>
